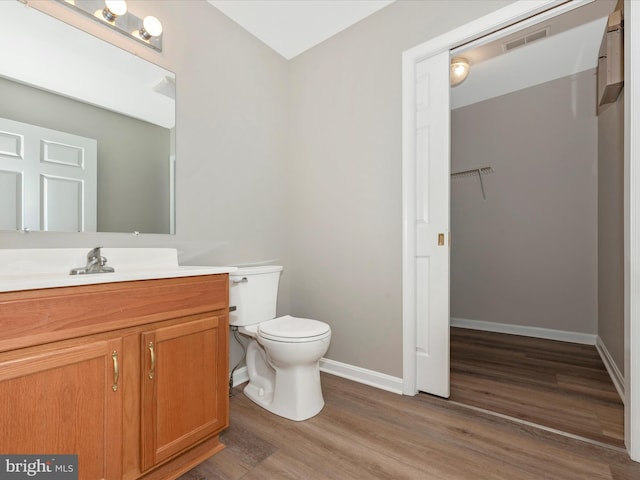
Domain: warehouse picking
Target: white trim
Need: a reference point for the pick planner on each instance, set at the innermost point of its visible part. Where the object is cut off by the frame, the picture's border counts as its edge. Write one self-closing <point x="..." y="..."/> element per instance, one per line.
<point x="525" y="331"/>
<point x="344" y="370"/>
<point x="394" y="384"/>
<point x="632" y="229"/>
<point x="612" y="368"/>
<point x="409" y="308"/>
<point x="362" y="375"/>
<point x="483" y="26"/>
<point x="526" y="22"/>
<point x="488" y="24"/>
<point x="240" y="376"/>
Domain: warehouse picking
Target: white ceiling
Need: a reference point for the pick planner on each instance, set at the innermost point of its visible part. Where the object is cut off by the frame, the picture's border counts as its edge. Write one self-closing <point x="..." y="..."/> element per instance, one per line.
<point x="571" y="47"/>
<point x="291" y="27"/>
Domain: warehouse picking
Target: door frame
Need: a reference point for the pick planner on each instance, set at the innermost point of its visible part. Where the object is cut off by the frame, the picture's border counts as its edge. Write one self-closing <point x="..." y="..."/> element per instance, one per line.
<point x="503" y="20"/>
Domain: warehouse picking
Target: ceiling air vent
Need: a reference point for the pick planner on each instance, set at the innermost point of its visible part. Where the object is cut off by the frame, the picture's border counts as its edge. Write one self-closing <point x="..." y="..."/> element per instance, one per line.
<point x="525" y="40"/>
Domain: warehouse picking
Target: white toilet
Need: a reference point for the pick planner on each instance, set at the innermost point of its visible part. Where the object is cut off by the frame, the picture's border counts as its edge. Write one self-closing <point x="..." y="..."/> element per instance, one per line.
<point x="284" y="353"/>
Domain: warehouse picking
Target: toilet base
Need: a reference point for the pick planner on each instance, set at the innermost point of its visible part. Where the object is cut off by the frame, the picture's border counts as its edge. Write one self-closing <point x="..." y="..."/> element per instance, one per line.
<point x="292" y="392"/>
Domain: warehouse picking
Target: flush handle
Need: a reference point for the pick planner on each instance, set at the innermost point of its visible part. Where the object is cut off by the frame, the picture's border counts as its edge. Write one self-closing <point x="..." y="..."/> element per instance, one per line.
<point x="441" y="239"/>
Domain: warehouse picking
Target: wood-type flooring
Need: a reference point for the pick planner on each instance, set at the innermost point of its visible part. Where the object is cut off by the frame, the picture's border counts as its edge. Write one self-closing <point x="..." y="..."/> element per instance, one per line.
<point x="366" y="433"/>
<point x="560" y="385"/>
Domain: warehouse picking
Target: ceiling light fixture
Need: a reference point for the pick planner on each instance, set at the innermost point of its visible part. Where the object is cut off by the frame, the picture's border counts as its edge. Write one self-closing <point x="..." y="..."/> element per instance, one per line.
<point x="458" y="70"/>
<point x="114" y="14"/>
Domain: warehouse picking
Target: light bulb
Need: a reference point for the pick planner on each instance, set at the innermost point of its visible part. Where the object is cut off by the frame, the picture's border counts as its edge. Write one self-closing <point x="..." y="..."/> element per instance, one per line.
<point x="151" y="27"/>
<point x="114" y="9"/>
<point x="458" y="71"/>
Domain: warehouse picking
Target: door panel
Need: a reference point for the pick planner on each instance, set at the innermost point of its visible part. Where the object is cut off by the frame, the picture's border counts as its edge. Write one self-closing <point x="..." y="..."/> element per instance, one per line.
<point x="432" y="225"/>
<point x="36" y="165"/>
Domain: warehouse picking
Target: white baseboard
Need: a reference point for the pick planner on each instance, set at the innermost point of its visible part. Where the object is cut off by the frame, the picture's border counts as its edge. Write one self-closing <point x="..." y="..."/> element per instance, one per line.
<point x="362" y="375"/>
<point x="394" y="384"/>
<point x="548" y="333"/>
<point x="241" y="375"/>
<point x="614" y="372"/>
<point x="350" y="372"/>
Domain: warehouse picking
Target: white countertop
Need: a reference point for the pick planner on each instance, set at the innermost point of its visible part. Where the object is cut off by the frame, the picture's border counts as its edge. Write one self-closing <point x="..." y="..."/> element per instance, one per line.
<point x="29" y="269"/>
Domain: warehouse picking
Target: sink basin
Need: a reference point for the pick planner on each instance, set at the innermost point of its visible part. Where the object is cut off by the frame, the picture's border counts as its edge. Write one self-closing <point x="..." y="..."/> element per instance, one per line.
<point x="28" y="269"/>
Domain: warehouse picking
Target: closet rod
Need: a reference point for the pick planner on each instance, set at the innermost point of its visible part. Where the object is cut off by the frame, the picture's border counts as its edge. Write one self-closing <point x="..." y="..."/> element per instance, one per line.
<point x="473" y="171"/>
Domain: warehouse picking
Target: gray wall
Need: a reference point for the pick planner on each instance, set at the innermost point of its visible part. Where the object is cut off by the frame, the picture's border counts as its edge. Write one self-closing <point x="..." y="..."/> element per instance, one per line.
<point x="345" y="178"/>
<point x="611" y="229"/>
<point x="133" y="155"/>
<point x="231" y="139"/>
<point x="293" y="162"/>
<point x="528" y="254"/>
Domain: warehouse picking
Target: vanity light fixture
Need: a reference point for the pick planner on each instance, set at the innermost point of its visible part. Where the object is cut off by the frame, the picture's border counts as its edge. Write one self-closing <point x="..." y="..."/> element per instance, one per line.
<point x="458" y="70"/>
<point x="114" y="14"/>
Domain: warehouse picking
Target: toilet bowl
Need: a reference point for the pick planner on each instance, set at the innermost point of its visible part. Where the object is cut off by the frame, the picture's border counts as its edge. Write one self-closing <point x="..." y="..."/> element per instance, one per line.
<point x="283" y="354"/>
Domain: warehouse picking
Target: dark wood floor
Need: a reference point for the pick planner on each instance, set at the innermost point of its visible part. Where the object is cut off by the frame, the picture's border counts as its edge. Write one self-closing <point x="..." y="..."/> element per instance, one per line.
<point x="561" y="385"/>
<point x="366" y="433"/>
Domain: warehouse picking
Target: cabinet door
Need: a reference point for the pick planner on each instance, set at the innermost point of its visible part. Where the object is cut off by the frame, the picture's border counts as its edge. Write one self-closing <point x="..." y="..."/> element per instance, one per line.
<point x="65" y="401"/>
<point x="184" y="386"/>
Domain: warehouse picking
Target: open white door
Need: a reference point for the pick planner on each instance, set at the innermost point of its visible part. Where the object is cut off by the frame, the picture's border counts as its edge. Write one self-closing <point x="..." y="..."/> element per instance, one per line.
<point x="430" y="223"/>
<point x="503" y="22"/>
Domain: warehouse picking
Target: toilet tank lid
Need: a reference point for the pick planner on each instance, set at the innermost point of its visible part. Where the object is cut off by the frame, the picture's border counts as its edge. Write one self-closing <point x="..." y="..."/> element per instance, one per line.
<point x="257" y="270"/>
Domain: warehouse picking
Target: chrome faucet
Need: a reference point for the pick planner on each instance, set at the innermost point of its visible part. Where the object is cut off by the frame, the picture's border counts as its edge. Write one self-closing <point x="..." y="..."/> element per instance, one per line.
<point x="96" y="263"/>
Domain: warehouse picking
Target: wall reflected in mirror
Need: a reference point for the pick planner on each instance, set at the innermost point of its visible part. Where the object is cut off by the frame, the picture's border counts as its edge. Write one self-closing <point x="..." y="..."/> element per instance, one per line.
<point x="63" y="90"/>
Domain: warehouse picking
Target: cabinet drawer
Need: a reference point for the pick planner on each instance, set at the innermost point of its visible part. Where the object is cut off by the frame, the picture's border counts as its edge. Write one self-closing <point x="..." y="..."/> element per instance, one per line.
<point x="33" y="317"/>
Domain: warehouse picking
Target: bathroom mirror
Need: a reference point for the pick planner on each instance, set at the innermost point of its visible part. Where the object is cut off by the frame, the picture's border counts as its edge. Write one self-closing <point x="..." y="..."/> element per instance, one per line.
<point x="70" y="100"/>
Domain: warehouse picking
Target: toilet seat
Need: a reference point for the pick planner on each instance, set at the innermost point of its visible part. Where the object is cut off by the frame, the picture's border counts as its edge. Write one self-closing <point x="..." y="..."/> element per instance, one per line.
<point x="293" y="330"/>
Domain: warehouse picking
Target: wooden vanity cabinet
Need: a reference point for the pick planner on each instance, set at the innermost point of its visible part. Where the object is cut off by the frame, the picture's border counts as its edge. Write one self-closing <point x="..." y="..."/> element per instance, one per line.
<point x="131" y="376"/>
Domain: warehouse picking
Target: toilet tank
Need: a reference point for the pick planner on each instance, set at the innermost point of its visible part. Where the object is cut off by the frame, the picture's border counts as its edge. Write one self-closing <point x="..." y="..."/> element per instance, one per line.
<point x="254" y="293"/>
